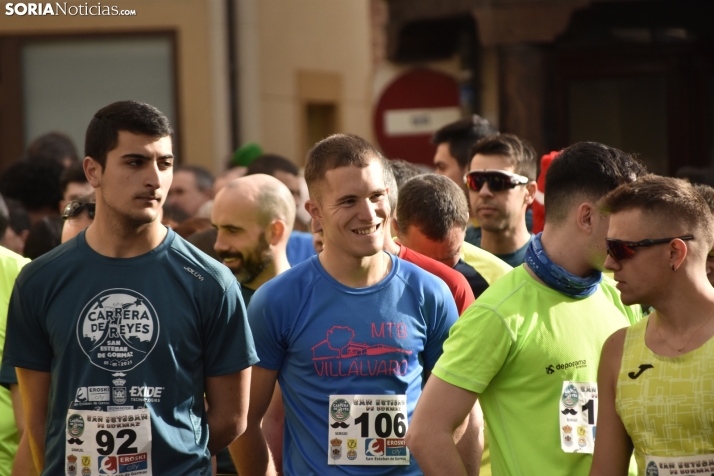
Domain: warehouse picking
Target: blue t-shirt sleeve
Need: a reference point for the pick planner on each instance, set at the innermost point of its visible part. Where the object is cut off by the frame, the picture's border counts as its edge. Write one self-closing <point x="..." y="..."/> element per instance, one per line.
<point x="27" y="343"/>
<point x="227" y="338"/>
<point x="265" y="323"/>
<point x="7" y="375"/>
<point x="441" y="313"/>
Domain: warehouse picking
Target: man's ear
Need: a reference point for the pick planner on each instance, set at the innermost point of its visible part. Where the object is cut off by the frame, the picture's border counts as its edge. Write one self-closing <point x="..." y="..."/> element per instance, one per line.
<point x="585" y="216"/>
<point x="677" y="252"/>
<point x="532" y="189"/>
<point x="93" y="171"/>
<point x="275" y="232"/>
<point x="313" y="208"/>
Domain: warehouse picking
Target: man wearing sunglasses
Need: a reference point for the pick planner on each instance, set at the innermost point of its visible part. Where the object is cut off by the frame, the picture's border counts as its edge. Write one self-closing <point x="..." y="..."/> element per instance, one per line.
<point x="77" y="215"/>
<point x="501" y="184"/>
<point x="528" y="347"/>
<point x="656" y="377"/>
<point x="127" y="326"/>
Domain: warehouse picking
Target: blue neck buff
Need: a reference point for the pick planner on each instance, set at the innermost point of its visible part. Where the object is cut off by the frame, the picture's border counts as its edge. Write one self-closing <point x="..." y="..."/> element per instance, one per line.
<point x="556" y="277"/>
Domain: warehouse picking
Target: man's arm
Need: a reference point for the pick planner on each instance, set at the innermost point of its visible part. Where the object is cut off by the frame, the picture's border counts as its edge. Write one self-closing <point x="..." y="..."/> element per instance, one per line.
<point x="469" y="440"/>
<point x="430" y="437"/>
<point x="273" y="423"/>
<point x="250" y="451"/>
<point x="35" y="391"/>
<point x="227" y="398"/>
<point x="613" y="447"/>
<point x="23" y="464"/>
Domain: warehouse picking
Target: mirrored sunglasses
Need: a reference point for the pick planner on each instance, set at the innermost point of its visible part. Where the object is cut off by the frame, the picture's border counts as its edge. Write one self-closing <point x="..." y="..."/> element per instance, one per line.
<point x="497" y="180"/>
<point x="75" y="207"/>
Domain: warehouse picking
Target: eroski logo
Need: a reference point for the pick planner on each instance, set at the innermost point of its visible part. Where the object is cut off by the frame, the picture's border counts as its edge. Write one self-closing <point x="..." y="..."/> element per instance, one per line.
<point x="118" y="329"/>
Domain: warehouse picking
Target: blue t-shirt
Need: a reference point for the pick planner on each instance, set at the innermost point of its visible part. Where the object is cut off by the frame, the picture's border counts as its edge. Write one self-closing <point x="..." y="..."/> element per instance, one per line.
<point x="329" y="339"/>
<point x="137" y="332"/>
<point x="299" y="248"/>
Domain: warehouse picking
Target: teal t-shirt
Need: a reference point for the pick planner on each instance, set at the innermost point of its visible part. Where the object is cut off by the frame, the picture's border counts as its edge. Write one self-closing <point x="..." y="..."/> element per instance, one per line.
<point x="126" y="334"/>
<point x="515" y="346"/>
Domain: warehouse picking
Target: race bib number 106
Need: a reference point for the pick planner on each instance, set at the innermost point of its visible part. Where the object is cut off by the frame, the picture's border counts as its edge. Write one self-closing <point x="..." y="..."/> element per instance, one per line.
<point x="367" y="430"/>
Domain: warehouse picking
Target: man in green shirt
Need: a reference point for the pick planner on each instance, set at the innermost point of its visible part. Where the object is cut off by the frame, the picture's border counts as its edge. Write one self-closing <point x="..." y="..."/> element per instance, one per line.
<point x="528" y="348"/>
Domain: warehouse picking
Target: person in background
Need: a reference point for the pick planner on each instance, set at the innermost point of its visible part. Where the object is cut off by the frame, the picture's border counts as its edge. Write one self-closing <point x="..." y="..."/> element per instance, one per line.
<point x="11" y="423"/>
<point x="78" y="215"/>
<point x="502" y="186"/>
<point x="73" y="184"/>
<point x="55" y="145"/>
<point x="44" y="236"/>
<point x="300" y="245"/>
<point x="192" y="186"/>
<point x="253" y="217"/>
<point x="35" y="182"/>
<point x="707" y="194"/>
<point x="18" y="227"/>
<point x="453" y="152"/>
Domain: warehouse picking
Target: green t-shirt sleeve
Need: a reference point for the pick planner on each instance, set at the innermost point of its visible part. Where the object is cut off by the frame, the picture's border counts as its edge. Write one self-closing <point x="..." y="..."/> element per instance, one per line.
<point x="476" y="349"/>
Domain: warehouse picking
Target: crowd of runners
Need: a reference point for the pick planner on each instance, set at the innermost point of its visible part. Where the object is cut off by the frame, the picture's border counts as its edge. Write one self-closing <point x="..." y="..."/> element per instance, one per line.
<point x="363" y="316"/>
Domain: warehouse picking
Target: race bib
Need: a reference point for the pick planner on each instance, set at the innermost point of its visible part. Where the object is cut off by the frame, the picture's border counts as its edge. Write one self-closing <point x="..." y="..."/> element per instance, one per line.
<point x="367" y="430"/>
<point x="578" y="417"/>
<point x="670" y="465"/>
<point x="108" y="442"/>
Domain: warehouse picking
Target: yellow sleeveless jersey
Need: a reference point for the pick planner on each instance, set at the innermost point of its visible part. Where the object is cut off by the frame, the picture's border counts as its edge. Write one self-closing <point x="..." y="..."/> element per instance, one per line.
<point x="667" y="406"/>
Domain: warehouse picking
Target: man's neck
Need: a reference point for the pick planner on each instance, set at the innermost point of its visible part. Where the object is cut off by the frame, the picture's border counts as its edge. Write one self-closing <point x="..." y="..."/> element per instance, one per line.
<point x="565" y="250"/>
<point x="279" y="265"/>
<point x="112" y="239"/>
<point x="685" y="305"/>
<point x="355" y="272"/>
<point x="505" y="241"/>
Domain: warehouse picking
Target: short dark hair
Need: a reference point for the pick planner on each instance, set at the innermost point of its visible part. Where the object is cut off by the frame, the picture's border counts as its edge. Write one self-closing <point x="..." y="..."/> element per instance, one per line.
<point x="400" y="171"/>
<point x="338" y="150"/>
<point x="432" y="203"/>
<point x="72" y="174"/>
<point x="34" y="181"/>
<point x="403" y="170"/>
<point x="130" y="116"/>
<point x="44" y="236"/>
<point x="587" y="169"/>
<point x="4" y="217"/>
<point x="56" y="145"/>
<point x="204" y="178"/>
<point x="696" y="175"/>
<point x="707" y="194"/>
<point x="518" y="153"/>
<point x="19" y="218"/>
<point x="268" y="164"/>
<point x="672" y="200"/>
<point x="462" y="134"/>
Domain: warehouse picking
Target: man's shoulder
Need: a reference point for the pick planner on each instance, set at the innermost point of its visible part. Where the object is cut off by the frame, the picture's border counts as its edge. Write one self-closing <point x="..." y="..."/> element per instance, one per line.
<point x="505" y="291"/>
<point x="199" y="264"/>
<point x="54" y="260"/>
<point x="488" y="265"/>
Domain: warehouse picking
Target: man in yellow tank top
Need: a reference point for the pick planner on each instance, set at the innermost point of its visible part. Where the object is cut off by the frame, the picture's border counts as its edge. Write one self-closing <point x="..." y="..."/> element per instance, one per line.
<point x="656" y="378"/>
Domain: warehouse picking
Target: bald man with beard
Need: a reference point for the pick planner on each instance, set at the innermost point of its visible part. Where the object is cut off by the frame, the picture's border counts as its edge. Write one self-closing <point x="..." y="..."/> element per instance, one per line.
<point x="254" y="217"/>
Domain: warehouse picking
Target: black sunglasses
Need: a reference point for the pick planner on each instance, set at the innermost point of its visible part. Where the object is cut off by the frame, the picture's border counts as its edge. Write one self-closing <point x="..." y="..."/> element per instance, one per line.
<point x="75" y="207"/>
<point x="498" y="180"/>
<point x="620" y="250"/>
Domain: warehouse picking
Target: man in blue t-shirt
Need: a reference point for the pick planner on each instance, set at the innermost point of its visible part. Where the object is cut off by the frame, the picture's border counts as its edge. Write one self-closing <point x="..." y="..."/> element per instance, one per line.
<point x="119" y="333"/>
<point x="349" y="334"/>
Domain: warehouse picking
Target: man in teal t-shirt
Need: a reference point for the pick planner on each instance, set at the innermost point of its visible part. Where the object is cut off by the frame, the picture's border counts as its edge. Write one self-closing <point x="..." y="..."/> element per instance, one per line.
<point x="528" y="348"/>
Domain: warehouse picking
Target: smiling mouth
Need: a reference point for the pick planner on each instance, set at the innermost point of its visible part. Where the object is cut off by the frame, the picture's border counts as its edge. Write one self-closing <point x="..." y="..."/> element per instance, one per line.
<point x="366" y="231"/>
